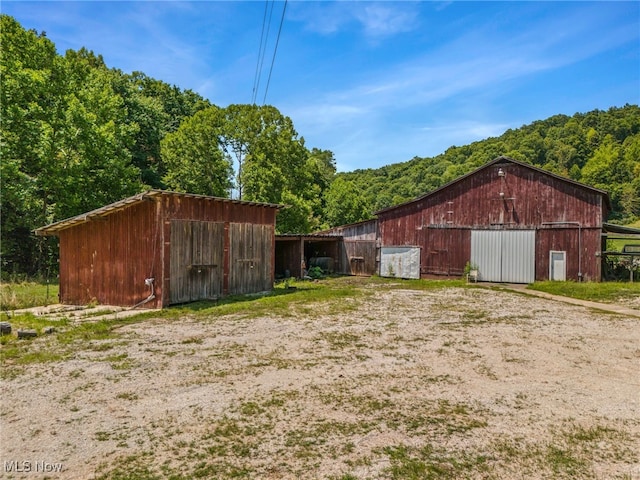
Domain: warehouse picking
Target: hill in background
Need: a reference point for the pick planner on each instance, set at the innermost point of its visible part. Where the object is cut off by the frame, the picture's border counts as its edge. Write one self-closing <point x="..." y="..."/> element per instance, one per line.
<point x="599" y="148"/>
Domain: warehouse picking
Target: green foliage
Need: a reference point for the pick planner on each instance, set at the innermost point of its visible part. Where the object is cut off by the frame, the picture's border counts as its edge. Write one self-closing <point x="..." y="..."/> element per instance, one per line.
<point x="345" y="203"/>
<point x="315" y="272"/>
<point x="194" y="161"/>
<point x="598" y="148"/>
<point x="14" y="296"/>
<point x="75" y="136"/>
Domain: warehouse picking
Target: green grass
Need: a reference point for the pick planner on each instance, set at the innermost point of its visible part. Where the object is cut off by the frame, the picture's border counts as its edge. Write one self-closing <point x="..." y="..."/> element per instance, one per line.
<point x="307" y="300"/>
<point x="14" y="296"/>
<point x="610" y="292"/>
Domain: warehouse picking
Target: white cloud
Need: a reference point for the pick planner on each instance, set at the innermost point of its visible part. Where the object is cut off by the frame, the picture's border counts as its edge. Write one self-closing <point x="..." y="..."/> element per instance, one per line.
<point x="376" y="19"/>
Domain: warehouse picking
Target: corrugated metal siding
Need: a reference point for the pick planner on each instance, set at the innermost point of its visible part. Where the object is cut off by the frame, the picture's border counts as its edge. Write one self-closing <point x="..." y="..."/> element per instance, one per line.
<point x="504" y="255"/>
<point x="400" y="262"/>
<point x="197" y="250"/>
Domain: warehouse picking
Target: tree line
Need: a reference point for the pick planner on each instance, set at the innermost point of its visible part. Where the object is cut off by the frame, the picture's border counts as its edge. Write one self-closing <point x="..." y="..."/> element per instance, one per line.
<point x="598" y="148"/>
<point x="76" y="135"/>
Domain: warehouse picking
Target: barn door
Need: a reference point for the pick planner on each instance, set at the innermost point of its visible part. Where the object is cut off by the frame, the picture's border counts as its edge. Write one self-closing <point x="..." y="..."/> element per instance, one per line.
<point x="504" y="255"/>
<point x="196" y="260"/>
<point x="250" y="258"/>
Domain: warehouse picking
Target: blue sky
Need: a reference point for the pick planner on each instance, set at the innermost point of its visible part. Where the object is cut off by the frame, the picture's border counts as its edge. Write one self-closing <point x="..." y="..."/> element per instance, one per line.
<point x="374" y="82"/>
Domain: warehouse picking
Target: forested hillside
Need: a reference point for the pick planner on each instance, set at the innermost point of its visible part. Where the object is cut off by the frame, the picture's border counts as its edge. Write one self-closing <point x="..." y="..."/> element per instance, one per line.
<point x="76" y="135"/>
<point x="599" y="148"/>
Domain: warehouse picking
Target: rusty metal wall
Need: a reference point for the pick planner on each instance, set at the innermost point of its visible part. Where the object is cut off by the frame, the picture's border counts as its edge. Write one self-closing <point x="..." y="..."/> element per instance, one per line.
<point x="108" y="259"/>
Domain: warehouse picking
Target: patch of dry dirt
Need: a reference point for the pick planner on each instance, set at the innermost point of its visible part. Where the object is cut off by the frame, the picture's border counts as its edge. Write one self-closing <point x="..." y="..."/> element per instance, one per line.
<point x="475" y="382"/>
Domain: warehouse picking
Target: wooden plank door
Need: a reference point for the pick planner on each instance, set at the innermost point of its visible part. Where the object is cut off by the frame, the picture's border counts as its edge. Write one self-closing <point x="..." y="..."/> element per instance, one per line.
<point x="196" y="262"/>
<point x="250" y="258"/>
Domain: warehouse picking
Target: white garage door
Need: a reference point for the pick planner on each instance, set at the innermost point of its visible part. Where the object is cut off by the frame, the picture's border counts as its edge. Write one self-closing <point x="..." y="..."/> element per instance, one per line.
<point x="507" y="256"/>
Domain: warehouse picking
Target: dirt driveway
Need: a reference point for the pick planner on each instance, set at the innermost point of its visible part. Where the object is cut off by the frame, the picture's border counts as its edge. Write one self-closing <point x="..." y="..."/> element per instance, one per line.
<point x="387" y="383"/>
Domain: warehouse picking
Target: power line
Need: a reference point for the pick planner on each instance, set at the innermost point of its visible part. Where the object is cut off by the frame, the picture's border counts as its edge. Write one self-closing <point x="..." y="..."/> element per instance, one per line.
<point x="256" y="76"/>
<point x="284" y="8"/>
<point x="261" y="54"/>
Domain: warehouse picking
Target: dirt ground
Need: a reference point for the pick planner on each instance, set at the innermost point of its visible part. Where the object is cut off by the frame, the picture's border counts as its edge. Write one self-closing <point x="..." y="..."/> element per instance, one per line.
<point x="397" y="383"/>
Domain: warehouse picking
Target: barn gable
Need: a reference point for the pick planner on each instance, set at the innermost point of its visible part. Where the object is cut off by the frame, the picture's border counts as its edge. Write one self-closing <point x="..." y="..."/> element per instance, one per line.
<point x="561" y="216"/>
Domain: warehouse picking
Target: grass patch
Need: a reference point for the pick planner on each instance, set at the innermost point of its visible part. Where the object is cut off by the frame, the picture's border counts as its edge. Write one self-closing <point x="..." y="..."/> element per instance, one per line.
<point x="429" y="462"/>
<point x="14" y="296"/>
<point x="606" y="292"/>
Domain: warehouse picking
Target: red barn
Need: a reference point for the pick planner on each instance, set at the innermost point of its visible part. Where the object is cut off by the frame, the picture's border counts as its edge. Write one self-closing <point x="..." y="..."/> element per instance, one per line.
<point x="160" y="248"/>
<point x="515" y="222"/>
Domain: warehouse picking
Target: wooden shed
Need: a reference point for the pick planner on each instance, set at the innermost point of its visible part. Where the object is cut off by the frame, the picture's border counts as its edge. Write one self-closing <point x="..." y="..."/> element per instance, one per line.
<point x="160" y="248"/>
<point x="515" y="222"/>
<point x="358" y="250"/>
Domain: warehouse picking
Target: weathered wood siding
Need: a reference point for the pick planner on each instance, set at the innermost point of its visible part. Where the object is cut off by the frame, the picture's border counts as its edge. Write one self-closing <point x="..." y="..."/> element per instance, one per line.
<point x="581" y="252"/>
<point x="197" y="252"/>
<point x="445" y="251"/>
<point x="250" y="252"/>
<point x="358" y="257"/>
<point x="108" y="259"/>
<point x="524" y="198"/>
<point x="182" y="241"/>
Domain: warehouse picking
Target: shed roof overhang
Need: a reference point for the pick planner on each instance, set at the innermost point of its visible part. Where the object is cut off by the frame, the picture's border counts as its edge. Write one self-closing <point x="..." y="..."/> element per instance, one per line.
<point x="619" y="229"/>
<point x="56" y="227"/>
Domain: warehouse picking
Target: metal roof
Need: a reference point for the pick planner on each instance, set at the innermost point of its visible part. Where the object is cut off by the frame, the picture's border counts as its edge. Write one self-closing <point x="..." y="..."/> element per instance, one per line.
<point x="498" y="160"/>
<point x="614" y="228"/>
<point x="106" y="210"/>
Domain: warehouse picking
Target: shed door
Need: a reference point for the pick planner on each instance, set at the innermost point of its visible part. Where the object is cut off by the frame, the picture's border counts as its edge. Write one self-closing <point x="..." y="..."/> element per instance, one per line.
<point x="504" y="255"/>
<point x="196" y="260"/>
<point x="250" y="252"/>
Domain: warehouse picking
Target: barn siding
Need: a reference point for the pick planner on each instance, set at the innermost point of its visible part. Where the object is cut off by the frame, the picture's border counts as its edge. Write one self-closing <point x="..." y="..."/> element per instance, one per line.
<point x="358" y="257"/>
<point x="525" y="198"/>
<point x="108" y="259"/>
<point x="566" y="239"/>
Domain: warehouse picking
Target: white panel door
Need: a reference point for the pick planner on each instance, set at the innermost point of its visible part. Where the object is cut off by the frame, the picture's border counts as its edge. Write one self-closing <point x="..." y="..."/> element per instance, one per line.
<point x="506" y="256"/>
<point x="486" y="253"/>
<point x="557" y="266"/>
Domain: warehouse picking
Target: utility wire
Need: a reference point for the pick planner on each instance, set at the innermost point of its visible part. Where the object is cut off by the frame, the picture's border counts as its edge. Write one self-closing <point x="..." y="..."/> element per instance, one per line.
<point x="264" y="50"/>
<point x="274" y="53"/>
<point x="255" y="78"/>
